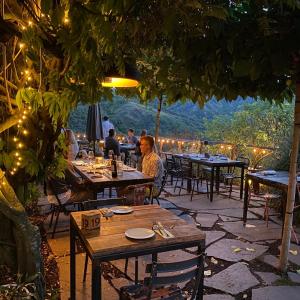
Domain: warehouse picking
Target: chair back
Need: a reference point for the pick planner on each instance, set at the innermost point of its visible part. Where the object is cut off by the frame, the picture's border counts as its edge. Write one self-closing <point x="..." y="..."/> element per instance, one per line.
<point x="194" y="267"/>
<point x="186" y="166"/>
<point x="55" y="187"/>
<point x="99" y="203"/>
<point x="163" y="183"/>
<point x="244" y="159"/>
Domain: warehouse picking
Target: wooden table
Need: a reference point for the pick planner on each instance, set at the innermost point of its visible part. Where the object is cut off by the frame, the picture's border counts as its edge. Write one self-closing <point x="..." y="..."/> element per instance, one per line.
<point x="110" y="243"/>
<point x="279" y="181"/>
<point x="216" y="164"/>
<point x="128" y="178"/>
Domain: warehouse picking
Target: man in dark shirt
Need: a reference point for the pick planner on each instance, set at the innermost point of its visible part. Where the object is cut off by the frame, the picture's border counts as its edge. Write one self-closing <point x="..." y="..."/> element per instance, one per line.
<point x="131" y="138"/>
<point x="111" y="144"/>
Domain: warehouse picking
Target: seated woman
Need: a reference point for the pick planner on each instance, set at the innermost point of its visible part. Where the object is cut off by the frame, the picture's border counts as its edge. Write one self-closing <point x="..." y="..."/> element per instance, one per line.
<point x="73" y="147"/>
<point x="111" y="144"/>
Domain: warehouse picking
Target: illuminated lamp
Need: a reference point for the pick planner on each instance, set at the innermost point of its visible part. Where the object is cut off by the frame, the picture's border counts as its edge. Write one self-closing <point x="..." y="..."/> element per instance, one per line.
<point x="115" y="80"/>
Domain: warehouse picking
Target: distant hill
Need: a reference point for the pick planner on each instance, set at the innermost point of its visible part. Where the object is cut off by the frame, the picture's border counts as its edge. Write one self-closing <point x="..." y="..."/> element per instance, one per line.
<point x="177" y="120"/>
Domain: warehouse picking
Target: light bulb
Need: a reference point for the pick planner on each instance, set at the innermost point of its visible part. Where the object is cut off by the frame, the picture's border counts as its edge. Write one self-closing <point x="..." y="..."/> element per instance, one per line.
<point x="25" y="132"/>
<point x="18" y="163"/>
<point x="23" y="117"/>
<point x="19" y="158"/>
<point x="30" y="23"/>
<point x="21" y="45"/>
<point x="15" y="139"/>
<point x="14" y="169"/>
<point x="17" y="154"/>
<point x="20" y="145"/>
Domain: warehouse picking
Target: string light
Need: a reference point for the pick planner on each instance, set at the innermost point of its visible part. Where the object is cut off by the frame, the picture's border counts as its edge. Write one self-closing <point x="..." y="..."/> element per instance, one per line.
<point x="30" y="23"/>
<point x="264" y="152"/>
<point x="15" y="139"/>
<point x="254" y="150"/>
<point x="21" y="45"/>
<point x="25" y="132"/>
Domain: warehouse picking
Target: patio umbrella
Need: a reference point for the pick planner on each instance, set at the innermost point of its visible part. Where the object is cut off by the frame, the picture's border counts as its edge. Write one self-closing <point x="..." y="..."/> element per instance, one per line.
<point x="94" y="124"/>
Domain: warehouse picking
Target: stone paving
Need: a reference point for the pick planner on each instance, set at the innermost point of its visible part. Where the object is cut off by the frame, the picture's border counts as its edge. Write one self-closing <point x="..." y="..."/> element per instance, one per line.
<point x="241" y="261"/>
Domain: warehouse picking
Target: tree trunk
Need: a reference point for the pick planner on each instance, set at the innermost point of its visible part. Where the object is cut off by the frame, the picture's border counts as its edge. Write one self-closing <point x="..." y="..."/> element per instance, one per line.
<point x="157" y="121"/>
<point x="20" y="247"/>
<point x="288" y="223"/>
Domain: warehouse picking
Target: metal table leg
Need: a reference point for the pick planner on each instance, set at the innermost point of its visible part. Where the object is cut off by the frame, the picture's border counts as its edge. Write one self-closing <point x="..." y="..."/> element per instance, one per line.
<point x="72" y="263"/>
<point x="242" y="181"/>
<point x="199" y="295"/>
<point x="96" y="280"/>
<point x="246" y="202"/>
<point x="217" y="179"/>
<point x="212" y="179"/>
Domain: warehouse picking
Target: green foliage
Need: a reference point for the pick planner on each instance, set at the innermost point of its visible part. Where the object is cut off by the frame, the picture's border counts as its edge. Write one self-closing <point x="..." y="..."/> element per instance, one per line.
<point x="260" y="124"/>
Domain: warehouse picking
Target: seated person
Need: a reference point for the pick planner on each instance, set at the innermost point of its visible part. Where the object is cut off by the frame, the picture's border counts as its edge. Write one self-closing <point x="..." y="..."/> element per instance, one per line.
<point x="152" y="164"/>
<point x="138" y="153"/>
<point x="131" y="138"/>
<point x="73" y="147"/>
<point x="111" y="144"/>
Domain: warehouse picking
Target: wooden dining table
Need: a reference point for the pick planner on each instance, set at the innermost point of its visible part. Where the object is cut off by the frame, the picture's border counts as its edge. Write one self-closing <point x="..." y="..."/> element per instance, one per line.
<point x="99" y="181"/>
<point x="110" y="243"/>
<point x="215" y="163"/>
<point x="278" y="180"/>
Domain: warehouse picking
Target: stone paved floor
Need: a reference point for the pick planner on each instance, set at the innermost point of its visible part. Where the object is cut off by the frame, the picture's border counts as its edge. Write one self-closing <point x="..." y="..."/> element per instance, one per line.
<point x="241" y="261"/>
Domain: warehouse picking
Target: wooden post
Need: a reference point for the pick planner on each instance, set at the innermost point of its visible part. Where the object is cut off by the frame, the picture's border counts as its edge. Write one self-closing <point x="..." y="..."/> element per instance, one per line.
<point x="288" y="222"/>
<point x="157" y="122"/>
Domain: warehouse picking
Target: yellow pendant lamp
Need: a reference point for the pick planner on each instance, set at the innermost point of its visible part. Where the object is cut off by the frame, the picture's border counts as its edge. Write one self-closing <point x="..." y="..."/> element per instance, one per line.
<point x="129" y="80"/>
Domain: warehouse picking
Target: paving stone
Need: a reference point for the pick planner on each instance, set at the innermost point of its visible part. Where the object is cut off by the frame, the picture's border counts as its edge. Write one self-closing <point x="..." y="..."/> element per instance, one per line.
<point x="166" y="204"/>
<point x="201" y="202"/>
<point x="206" y="220"/>
<point x="232" y="212"/>
<point x="270" y="260"/>
<point x="212" y="236"/>
<point x="276" y="293"/>
<point x="295" y="277"/>
<point x="252" y="234"/>
<point x="229" y="219"/>
<point x="267" y="277"/>
<point x="177" y="212"/>
<point x="223" y="249"/>
<point x="60" y="245"/>
<point x="233" y="280"/>
<point x="217" y="297"/>
<point x="187" y="218"/>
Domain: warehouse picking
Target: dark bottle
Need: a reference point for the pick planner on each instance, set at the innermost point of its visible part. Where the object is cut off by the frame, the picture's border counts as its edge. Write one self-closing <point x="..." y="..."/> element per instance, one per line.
<point x="114" y="171"/>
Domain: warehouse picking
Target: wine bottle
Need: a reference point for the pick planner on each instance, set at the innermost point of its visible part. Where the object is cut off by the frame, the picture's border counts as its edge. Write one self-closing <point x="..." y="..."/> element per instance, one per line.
<point x="114" y="171"/>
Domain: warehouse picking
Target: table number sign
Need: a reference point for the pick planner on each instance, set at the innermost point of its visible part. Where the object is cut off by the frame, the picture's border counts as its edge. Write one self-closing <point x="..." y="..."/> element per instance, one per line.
<point x="90" y="220"/>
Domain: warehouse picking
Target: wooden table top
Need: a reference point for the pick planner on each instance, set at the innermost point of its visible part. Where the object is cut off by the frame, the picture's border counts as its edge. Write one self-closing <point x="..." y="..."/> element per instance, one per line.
<point x="214" y="162"/>
<point x="111" y="240"/>
<point x="127" y="178"/>
<point x="278" y="180"/>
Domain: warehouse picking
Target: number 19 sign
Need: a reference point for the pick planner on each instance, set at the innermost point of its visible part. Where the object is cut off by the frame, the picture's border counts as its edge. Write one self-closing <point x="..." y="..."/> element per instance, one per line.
<point x="90" y="220"/>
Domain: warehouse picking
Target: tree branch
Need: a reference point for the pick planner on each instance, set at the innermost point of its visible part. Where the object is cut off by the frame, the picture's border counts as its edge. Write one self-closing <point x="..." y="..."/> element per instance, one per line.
<point x="5" y="79"/>
<point x="10" y="122"/>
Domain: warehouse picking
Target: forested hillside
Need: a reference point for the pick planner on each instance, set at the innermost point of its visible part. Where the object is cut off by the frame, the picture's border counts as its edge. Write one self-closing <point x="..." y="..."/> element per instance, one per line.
<point x="177" y="120"/>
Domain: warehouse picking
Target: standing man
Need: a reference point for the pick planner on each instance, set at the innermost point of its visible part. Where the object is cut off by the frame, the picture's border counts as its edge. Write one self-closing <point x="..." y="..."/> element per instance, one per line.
<point x="106" y="126"/>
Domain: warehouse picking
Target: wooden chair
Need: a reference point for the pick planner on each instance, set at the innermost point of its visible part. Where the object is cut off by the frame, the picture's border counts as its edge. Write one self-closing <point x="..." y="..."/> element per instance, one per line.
<point x="165" y="287"/>
<point x="55" y="188"/>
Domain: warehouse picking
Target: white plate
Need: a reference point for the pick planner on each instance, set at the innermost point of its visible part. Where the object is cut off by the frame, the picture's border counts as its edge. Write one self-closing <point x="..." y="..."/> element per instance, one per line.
<point x="78" y="163"/>
<point x="122" y="209"/>
<point x="139" y="233"/>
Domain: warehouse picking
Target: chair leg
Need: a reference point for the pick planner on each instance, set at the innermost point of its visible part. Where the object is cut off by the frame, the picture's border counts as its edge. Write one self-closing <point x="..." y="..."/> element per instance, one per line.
<point x="52" y="214"/>
<point x="181" y="186"/>
<point x="136" y="271"/>
<point x="230" y="188"/>
<point x="192" y="194"/>
<point x="157" y="200"/>
<point x="55" y="224"/>
<point x="85" y="267"/>
<point x="126" y="266"/>
<point x="176" y="184"/>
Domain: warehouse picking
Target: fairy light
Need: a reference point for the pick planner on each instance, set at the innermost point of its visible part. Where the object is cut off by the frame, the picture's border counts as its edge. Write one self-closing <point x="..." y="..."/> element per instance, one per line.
<point x="18" y="163"/>
<point x="173" y="141"/>
<point x="163" y="141"/>
<point x="254" y="150"/>
<point x="222" y="146"/>
<point x="229" y="147"/>
<point x="20" y="145"/>
<point x="66" y="19"/>
<point x="264" y="152"/>
<point x="15" y="139"/>
<point x="25" y="131"/>
<point x="17" y="154"/>
<point x="21" y="45"/>
<point x="30" y="23"/>
<point x="159" y="140"/>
